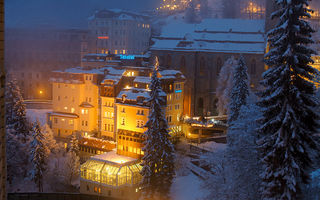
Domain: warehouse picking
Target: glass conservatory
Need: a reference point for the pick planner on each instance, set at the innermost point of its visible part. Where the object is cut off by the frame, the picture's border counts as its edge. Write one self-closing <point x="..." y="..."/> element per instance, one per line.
<point x="112" y="169"/>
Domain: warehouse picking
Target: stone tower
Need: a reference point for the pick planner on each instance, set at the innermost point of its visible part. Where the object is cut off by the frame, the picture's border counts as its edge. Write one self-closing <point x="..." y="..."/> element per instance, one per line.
<point x="3" y="177"/>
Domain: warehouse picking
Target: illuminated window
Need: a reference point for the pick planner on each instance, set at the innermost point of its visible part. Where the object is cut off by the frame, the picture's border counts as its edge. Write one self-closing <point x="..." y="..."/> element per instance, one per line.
<point x="82" y="111"/>
<point x="62" y="119"/>
<point x="124" y="52"/>
<point x="136" y="85"/>
<point x="147" y="86"/>
<point x="123" y="121"/>
<point x="105" y="114"/>
<point x="72" y="110"/>
<point x="170" y="87"/>
<point x="71" y="121"/>
<point x="66" y="108"/>
<point x="86" y="111"/>
<point x="115" y="51"/>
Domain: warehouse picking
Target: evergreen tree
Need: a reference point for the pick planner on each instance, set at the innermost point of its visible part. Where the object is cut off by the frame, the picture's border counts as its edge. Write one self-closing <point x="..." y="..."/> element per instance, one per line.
<point x="74" y="144"/>
<point x="71" y="167"/>
<point x="38" y="156"/>
<point x="16" y="110"/>
<point x="239" y="91"/>
<point x="158" y="159"/>
<point x="289" y="118"/>
<point x="49" y="140"/>
<point x="242" y="154"/>
<point x="223" y="90"/>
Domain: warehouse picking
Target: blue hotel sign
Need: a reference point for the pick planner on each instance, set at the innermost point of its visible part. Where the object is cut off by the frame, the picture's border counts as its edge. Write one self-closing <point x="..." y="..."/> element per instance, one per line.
<point x="127" y="57"/>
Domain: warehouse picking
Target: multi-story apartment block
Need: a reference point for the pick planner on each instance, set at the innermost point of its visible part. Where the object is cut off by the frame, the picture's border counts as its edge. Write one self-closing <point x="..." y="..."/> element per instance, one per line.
<point x="106" y="101"/>
<point x="119" y="32"/>
<point x="75" y="101"/>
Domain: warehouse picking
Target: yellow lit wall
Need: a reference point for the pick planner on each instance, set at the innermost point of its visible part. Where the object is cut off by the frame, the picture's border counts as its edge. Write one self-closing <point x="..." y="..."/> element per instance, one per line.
<point x="130" y="122"/>
<point x="128" y="117"/>
<point x="108" y="126"/>
<point x="80" y="99"/>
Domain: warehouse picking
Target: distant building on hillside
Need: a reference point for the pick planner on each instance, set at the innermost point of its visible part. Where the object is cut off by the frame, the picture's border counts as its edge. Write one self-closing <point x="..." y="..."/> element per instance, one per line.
<point x="32" y="53"/>
<point x="119" y="32"/>
<point x="200" y="50"/>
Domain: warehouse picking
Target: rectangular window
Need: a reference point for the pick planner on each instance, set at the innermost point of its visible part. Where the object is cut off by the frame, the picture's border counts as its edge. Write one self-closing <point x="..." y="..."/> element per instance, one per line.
<point x="55" y="120"/>
<point x="123" y="121"/>
<point x="86" y="123"/>
<point x="71" y="121"/>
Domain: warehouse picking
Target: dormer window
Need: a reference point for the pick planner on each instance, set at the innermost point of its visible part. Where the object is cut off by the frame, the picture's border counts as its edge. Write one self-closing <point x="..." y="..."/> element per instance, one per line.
<point x="123" y="98"/>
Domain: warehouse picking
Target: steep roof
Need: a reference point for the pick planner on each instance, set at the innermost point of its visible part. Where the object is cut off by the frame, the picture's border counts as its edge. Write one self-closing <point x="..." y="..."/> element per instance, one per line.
<point x="213" y="35"/>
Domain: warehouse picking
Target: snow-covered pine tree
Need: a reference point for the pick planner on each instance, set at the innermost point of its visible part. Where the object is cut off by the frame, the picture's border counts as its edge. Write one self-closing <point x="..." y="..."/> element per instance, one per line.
<point x="71" y="167"/>
<point x="158" y="160"/>
<point x="289" y="108"/>
<point x="239" y="90"/>
<point x="38" y="156"/>
<point x="224" y="85"/>
<point x="242" y="155"/>
<point x="16" y="110"/>
<point x="74" y="144"/>
<point x="49" y="140"/>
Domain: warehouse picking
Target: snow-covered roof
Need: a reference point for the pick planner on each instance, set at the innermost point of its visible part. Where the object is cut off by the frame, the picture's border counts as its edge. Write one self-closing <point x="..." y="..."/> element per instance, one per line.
<point x="80" y="70"/>
<point x="62" y="114"/>
<point x="113" y="157"/>
<point x="214" y="35"/>
<point x="142" y="79"/>
<point x="114" y="78"/>
<point x="134" y="93"/>
<point x="119" y="14"/>
<point x="68" y="81"/>
<point x="97" y="143"/>
<point x="86" y="105"/>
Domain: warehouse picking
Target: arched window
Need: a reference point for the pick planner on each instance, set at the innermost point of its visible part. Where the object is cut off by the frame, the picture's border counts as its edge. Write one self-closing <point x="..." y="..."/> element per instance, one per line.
<point x="253" y="67"/>
<point x="168" y="61"/>
<point x="183" y="64"/>
<point x="219" y="65"/>
<point x="202" y="66"/>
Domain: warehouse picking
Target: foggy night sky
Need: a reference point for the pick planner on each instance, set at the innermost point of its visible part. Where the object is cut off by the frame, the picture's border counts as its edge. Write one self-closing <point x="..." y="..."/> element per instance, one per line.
<point x="64" y="13"/>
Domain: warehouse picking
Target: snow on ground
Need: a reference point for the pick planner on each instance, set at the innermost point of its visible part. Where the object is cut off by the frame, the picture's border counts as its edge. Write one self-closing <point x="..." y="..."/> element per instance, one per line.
<point x="40" y="114"/>
<point x="188" y="188"/>
<point x="211" y="146"/>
